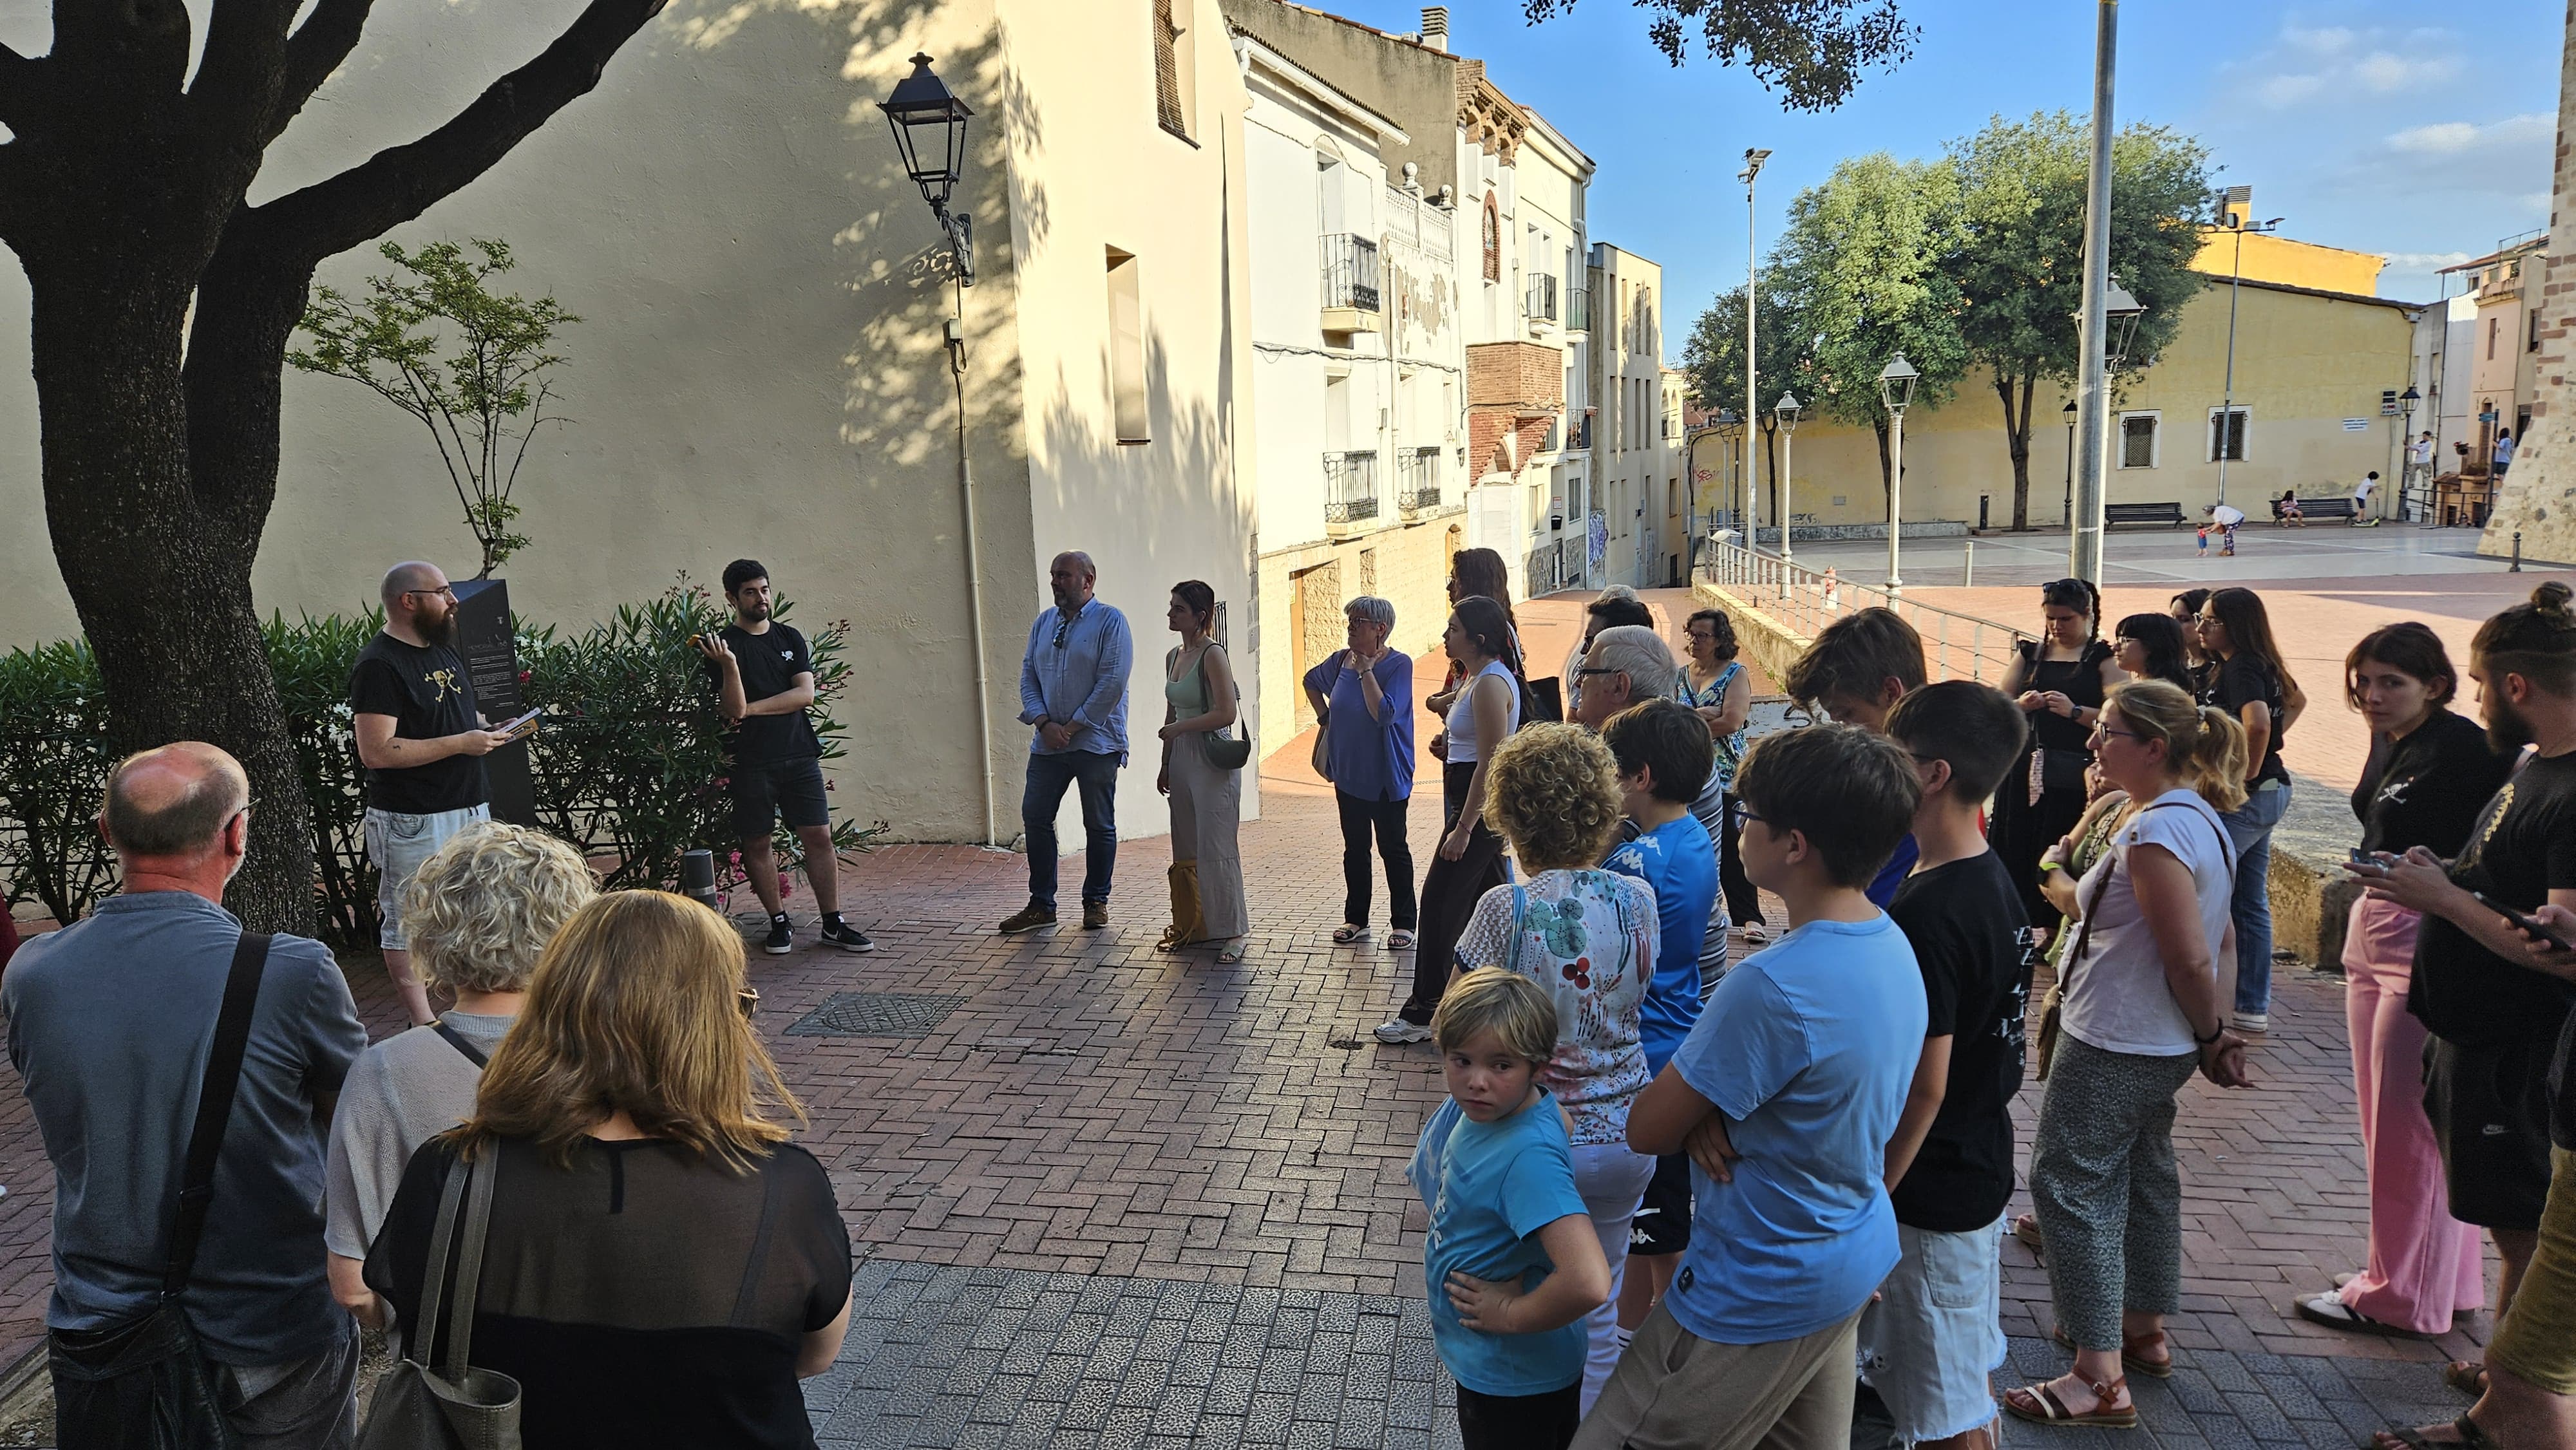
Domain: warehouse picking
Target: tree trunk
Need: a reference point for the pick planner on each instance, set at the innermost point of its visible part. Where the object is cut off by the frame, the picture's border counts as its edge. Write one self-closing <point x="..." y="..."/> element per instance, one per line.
<point x="2017" y="443"/>
<point x="156" y="562"/>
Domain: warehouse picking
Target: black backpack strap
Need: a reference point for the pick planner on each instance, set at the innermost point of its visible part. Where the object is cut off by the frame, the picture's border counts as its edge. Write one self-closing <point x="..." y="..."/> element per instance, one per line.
<point x="458" y="1041"/>
<point x="214" y="1108"/>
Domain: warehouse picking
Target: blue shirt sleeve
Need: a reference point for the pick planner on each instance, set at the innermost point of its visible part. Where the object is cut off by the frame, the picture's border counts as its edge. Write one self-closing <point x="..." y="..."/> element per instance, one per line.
<point x="333" y="1036"/>
<point x="1395" y="681"/>
<point x="1032" y="698"/>
<point x="1109" y="687"/>
<point x="1746" y="1046"/>
<point x="1538" y="1188"/>
<point x="1425" y="1168"/>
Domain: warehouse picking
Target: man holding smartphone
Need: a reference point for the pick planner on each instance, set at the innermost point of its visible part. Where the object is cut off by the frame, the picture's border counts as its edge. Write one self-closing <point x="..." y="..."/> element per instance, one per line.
<point x="422" y="742"/>
<point x="764" y="678"/>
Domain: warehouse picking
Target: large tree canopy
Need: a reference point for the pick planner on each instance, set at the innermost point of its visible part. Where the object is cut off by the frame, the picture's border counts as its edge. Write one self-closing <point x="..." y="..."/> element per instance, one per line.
<point x="1811" y="51"/>
<point x="162" y="302"/>
<point x="1865" y="266"/>
<point x="2020" y="257"/>
<point x="1714" y="358"/>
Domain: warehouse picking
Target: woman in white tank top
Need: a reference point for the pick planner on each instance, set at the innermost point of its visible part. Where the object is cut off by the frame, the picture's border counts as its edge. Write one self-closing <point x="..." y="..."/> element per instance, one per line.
<point x="1470" y="859"/>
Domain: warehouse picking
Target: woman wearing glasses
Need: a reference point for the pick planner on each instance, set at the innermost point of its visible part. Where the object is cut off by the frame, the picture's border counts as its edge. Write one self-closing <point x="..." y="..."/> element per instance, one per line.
<point x="649" y="1218"/>
<point x="2058" y="680"/>
<point x="2253" y="686"/>
<point x="2137" y="1013"/>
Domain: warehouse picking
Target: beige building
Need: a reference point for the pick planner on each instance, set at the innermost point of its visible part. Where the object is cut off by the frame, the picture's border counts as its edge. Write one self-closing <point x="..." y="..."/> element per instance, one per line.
<point x="1635" y="456"/>
<point x="2504" y="339"/>
<point x="763" y="368"/>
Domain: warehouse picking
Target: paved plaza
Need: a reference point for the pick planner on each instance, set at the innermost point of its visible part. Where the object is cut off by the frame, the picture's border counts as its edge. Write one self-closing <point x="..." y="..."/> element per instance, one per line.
<point x="1108" y="1197"/>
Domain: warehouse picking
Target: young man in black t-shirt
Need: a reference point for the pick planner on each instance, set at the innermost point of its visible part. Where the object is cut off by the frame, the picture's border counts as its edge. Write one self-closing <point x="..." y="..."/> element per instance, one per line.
<point x="422" y="742"/>
<point x="1936" y="1330"/>
<point x="764" y="678"/>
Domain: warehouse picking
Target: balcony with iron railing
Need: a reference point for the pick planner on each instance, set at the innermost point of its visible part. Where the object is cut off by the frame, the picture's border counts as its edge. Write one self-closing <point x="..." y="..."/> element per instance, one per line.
<point x="1578" y="309"/>
<point x="1350" y="491"/>
<point x="1417" y="481"/>
<point x="1542" y="299"/>
<point x="1350" y="275"/>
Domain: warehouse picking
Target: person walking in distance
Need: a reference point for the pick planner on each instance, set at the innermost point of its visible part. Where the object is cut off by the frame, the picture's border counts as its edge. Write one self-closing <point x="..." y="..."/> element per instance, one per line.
<point x="764" y="678"/>
<point x="422" y="743"/>
<point x="1073" y="690"/>
<point x="2429" y="773"/>
<point x="118" y="1027"/>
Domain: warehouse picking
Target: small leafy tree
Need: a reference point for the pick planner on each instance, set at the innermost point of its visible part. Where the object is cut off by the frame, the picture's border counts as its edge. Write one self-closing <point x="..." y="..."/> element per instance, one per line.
<point x="1811" y="51"/>
<point x="1714" y="357"/>
<point x="1864" y="264"/>
<point x="482" y="400"/>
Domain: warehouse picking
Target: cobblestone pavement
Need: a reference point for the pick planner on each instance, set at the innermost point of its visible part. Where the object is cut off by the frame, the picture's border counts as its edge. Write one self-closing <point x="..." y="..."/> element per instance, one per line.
<point x="1110" y="1197"/>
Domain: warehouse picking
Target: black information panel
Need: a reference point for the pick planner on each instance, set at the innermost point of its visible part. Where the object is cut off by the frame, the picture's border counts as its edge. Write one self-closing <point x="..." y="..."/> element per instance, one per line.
<point x="492" y="660"/>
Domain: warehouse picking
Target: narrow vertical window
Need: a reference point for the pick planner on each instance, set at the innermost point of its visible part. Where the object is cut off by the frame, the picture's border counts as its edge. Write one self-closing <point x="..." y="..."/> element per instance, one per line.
<point x="1126" y="349"/>
<point x="1175" y="68"/>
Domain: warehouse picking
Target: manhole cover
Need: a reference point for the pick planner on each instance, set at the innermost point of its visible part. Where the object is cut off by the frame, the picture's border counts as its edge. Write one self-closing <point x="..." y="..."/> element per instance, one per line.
<point x="876" y="1014"/>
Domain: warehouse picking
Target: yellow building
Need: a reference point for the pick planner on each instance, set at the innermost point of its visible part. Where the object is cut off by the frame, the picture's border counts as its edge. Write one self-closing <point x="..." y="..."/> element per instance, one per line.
<point x="2311" y="366"/>
<point x="2229" y="250"/>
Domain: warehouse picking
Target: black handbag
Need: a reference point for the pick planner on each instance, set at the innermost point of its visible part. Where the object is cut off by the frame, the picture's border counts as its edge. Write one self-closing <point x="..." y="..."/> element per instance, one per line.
<point x="456" y="1406"/>
<point x="146" y="1384"/>
<point x="1231" y="750"/>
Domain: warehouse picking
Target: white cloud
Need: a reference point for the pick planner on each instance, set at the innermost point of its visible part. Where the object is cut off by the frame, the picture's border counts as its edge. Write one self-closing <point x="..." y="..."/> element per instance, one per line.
<point x="2383" y="72"/>
<point x="2307" y="64"/>
<point x="2282" y="92"/>
<point x="2451" y="138"/>
<point x="2424" y="261"/>
<point x="2325" y="40"/>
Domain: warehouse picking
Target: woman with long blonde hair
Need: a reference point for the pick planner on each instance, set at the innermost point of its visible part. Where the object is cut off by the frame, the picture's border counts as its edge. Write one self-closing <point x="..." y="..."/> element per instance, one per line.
<point x="663" y="1265"/>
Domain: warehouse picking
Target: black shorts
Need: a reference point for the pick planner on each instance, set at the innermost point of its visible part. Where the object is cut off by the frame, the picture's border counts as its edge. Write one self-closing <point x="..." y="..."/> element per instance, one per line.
<point x="790" y="788"/>
<point x="1663" y="1221"/>
<point x="2490" y="1112"/>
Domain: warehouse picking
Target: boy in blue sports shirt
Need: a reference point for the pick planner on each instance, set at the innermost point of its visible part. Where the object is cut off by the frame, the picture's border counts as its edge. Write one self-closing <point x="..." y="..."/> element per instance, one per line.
<point x="1785" y="1095"/>
<point x="1665" y="756"/>
<point x="1511" y="1259"/>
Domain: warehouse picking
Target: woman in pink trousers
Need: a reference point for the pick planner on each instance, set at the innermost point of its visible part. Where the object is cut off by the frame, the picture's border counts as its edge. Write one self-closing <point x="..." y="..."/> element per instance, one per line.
<point x="2429" y="773"/>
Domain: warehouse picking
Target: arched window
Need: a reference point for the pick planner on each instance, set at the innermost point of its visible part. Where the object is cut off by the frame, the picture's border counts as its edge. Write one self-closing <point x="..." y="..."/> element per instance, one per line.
<point x="1493" y="240"/>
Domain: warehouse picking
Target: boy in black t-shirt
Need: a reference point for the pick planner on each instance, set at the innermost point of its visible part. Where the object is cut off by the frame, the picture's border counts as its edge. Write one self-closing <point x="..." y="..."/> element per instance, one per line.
<point x="1936" y="1331"/>
<point x="764" y="677"/>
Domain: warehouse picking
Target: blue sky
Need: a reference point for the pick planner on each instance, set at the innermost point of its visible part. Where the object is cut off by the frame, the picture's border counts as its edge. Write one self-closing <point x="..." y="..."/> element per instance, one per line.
<point x="2360" y="124"/>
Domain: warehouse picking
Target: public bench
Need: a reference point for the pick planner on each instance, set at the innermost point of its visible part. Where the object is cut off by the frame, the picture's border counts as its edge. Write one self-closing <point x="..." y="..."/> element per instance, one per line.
<point x="2337" y="506"/>
<point x="2168" y="514"/>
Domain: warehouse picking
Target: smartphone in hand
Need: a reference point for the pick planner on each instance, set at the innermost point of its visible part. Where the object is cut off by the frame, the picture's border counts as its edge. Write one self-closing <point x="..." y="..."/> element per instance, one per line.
<point x="2525" y="922"/>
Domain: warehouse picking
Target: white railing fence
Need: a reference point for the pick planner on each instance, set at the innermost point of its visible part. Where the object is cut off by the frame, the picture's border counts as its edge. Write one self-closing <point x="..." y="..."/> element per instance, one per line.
<point x="1956" y="646"/>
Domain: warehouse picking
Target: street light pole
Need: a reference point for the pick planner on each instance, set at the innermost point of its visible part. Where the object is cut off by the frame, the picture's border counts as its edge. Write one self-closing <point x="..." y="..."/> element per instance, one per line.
<point x="2093" y="397"/>
<point x="2066" y="511"/>
<point x="1896" y="390"/>
<point x="1786" y="411"/>
<point x="1753" y="158"/>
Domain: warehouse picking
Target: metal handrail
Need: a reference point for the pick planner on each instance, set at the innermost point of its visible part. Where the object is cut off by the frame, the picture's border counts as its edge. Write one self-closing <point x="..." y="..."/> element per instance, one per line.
<point x="1350" y="487"/>
<point x="1956" y="646"/>
<point x="1542" y="297"/>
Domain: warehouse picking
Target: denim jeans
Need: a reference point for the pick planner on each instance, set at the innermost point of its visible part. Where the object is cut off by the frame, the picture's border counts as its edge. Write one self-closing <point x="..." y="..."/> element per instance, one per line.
<point x="1097" y="775"/>
<point x="2249" y="829"/>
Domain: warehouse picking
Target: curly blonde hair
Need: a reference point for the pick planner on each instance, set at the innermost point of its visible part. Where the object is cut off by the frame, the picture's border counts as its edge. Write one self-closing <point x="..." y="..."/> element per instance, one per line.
<point x="483" y="907"/>
<point x="1553" y="792"/>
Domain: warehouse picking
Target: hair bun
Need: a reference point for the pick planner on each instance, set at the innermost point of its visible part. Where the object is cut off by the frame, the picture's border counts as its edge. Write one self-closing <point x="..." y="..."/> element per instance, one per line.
<point x="2552" y="598"/>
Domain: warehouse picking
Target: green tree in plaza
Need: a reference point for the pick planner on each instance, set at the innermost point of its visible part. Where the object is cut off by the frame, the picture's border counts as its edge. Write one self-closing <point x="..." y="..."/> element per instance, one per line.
<point x="482" y="401"/>
<point x="1714" y="357"/>
<point x="1863" y="265"/>
<point x="2019" y="257"/>
<point x="163" y="301"/>
<point x="1810" y="51"/>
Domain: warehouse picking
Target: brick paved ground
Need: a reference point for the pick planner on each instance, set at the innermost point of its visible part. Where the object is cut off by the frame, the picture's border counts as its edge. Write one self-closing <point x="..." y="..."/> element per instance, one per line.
<point x="1120" y="1198"/>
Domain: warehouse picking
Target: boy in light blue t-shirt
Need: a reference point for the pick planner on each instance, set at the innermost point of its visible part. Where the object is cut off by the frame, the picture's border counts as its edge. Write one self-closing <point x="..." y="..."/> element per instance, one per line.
<point x="1511" y="1259"/>
<point x="1785" y="1095"/>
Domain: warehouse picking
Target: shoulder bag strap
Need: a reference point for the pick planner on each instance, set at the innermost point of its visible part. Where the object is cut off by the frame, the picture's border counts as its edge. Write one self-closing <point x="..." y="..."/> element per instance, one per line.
<point x="469" y="1259"/>
<point x="214" y="1108"/>
<point x="458" y="1041"/>
<point x="2084" y="929"/>
<point x="1520" y="905"/>
<point x="433" y="1278"/>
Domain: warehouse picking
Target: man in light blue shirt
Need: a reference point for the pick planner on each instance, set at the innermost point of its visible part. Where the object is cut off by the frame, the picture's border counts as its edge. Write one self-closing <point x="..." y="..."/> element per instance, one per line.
<point x="1073" y="688"/>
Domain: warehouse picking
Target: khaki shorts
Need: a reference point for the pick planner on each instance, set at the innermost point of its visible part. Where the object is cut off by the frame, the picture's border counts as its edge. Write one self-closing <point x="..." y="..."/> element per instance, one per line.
<point x="398" y="844"/>
<point x="1676" y="1391"/>
<point x="2536" y="1342"/>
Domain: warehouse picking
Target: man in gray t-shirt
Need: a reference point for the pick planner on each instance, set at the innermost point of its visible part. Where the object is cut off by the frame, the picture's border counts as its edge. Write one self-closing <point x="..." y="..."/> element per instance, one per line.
<point x="110" y="1023"/>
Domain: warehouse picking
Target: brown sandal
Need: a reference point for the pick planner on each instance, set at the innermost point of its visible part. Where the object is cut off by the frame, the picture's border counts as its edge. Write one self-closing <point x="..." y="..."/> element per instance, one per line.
<point x="2466" y="1376"/>
<point x="2040" y="1405"/>
<point x="2130" y="1359"/>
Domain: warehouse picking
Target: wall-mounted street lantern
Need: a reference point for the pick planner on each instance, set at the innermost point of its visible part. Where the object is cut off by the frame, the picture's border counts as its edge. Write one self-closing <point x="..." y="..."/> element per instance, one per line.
<point x="930" y="128"/>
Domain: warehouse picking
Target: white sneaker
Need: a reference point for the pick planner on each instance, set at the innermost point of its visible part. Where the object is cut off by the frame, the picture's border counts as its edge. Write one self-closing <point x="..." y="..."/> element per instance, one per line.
<point x="1399" y="1032"/>
<point x="2255" y="1022"/>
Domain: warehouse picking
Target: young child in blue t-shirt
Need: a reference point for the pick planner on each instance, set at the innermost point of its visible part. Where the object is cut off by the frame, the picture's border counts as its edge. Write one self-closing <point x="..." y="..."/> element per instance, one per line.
<point x="1785" y="1095"/>
<point x="1511" y="1260"/>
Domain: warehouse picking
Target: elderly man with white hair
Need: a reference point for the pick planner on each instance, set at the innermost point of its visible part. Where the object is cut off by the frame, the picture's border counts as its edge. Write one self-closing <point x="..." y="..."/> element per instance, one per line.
<point x="182" y="1069"/>
<point x="1073" y="690"/>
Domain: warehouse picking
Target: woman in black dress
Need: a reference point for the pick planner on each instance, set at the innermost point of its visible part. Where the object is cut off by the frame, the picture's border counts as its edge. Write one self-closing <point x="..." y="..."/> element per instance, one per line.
<point x="2059" y="680"/>
<point x="2150" y="647"/>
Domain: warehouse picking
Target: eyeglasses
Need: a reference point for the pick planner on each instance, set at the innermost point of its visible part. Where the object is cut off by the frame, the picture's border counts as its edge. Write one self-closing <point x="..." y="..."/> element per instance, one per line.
<point x="2123" y="734"/>
<point x="748" y="999"/>
<point x="1750" y="815"/>
<point x="2203" y="621"/>
<point x="449" y="590"/>
<point x="1582" y="671"/>
<point x="1062" y="623"/>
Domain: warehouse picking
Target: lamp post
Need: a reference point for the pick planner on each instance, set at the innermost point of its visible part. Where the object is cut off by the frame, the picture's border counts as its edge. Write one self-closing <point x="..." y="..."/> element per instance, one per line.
<point x="1786" y="413"/>
<point x="2119" y="325"/>
<point x="2229" y="438"/>
<point x="930" y="130"/>
<point x="1730" y="432"/>
<point x="2406" y="446"/>
<point x="1753" y="158"/>
<point x="2092" y="391"/>
<point x="1896" y="389"/>
<point x="2066" y="510"/>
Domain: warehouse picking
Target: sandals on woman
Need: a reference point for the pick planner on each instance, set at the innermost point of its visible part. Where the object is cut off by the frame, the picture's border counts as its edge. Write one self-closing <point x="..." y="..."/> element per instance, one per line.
<point x="2130" y="1358"/>
<point x="2040" y="1405"/>
<point x="2466" y="1376"/>
<point x="2413" y="1438"/>
<point x="1233" y="951"/>
<point x="1400" y="939"/>
<point x="2330" y="1311"/>
<point x="1346" y="933"/>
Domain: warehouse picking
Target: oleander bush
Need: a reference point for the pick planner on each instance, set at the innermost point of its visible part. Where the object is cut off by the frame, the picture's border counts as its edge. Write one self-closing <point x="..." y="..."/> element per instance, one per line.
<point x="629" y="764"/>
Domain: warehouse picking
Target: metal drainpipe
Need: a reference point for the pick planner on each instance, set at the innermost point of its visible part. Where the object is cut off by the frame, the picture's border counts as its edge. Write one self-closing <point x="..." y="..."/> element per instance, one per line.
<point x="974" y="563"/>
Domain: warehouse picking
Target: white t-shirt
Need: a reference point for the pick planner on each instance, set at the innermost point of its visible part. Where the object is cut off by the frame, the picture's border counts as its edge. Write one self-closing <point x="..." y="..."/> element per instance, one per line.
<point x="2227" y="515"/>
<point x="2120" y="1001"/>
<point x="2361" y="490"/>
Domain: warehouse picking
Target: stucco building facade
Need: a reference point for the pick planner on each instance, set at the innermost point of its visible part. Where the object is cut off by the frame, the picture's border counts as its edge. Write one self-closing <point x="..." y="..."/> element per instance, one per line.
<point x="763" y="368"/>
